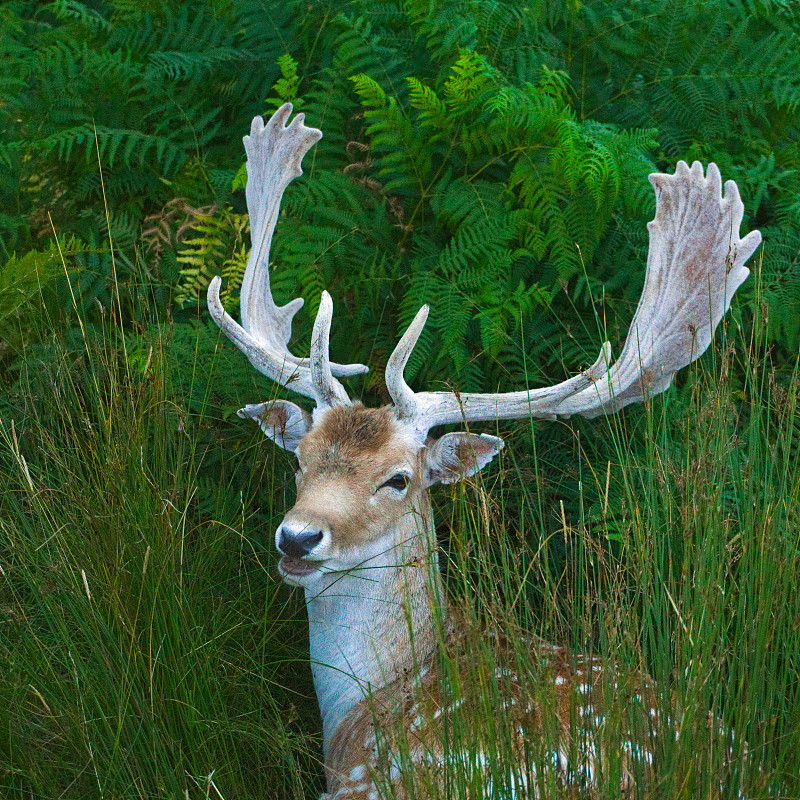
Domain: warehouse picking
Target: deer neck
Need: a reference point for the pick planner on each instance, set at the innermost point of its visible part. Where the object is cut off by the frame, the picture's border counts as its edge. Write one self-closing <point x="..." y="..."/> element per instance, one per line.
<point x="370" y="626"/>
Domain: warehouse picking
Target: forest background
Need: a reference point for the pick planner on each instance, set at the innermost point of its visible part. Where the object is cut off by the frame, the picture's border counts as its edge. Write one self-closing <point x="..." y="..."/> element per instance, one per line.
<point x="486" y="157"/>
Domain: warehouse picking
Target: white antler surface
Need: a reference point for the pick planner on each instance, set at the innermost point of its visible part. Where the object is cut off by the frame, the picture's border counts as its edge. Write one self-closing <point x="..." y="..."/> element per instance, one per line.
<point x="274" y="153"/>
<point x="694" y="266"/>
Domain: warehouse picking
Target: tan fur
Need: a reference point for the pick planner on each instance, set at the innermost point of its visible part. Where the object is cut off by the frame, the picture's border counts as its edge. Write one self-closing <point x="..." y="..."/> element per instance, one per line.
<point x="411" y="722"/>
<point x="343" y="461"/>
<point x="355" y="430"/>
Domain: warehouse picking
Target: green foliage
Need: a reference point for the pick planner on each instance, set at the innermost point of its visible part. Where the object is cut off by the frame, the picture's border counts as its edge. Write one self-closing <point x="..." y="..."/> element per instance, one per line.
<point x="140" y="632"/>
<point x="496" y="162"/>
<point x="149" y="650"/>
<point x="454" y="199"/>
<point x="124" y="106"/>
<point x="488" y="158"/>
<point x="216" y="242"/>
<point x="719" y="81"/>
<point x="470" y="149"/>
<point x="286" y="86"/>
<point x="21" y="280"/>
<point x="58" y="279"/>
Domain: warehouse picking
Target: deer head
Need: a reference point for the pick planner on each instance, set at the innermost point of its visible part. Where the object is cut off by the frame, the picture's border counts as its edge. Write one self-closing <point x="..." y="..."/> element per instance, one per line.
<point x="361" y="471"/>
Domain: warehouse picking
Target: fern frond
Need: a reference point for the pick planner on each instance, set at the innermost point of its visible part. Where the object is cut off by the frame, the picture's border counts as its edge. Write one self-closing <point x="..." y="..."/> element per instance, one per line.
<point x="286" y="87"/>
<point x="213" y="245"/>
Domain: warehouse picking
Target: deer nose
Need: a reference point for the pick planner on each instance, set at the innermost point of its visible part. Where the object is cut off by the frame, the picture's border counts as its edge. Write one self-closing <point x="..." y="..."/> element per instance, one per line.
<point x="299" y="544"/>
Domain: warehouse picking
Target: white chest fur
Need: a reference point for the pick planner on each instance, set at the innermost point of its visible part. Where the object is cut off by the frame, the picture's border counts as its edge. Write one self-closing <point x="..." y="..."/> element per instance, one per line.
<point x="360" y="630"/>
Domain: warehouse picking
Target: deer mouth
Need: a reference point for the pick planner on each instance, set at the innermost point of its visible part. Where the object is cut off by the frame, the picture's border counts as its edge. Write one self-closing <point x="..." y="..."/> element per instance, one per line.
<point x="297" y="567"/>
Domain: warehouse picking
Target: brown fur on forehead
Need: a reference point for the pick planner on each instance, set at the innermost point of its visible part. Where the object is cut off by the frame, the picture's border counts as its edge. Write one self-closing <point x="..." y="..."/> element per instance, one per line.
<point x="357" y="427"/>
<point x="349" y="432"/>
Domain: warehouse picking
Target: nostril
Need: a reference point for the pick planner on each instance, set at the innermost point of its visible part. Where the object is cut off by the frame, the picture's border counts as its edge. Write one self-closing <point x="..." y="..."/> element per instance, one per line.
<point x="298" y="545"/>
<point x="313" y="539"/>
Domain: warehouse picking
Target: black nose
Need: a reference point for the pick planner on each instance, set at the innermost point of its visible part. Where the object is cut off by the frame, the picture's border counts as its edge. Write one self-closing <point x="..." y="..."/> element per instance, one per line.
<point x="298" y="544"/>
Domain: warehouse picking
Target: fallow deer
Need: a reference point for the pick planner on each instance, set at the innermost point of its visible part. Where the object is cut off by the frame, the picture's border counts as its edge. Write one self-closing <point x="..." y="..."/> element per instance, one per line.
<point x="360" y="538"/>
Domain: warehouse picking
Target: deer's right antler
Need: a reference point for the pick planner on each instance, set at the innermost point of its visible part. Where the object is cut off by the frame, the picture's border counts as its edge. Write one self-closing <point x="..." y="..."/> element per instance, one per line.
<point x="274" y="152"/>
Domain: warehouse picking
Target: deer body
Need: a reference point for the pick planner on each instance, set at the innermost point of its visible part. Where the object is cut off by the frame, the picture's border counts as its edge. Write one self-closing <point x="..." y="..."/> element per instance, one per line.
<point x="377" y="617"/>
<point x="566" y="699"/>
<point x="360" y="540"/>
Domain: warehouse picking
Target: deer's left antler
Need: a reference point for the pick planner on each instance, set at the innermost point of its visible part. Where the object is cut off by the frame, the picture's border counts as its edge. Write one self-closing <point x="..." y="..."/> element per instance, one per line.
<point x="694" y="266"/>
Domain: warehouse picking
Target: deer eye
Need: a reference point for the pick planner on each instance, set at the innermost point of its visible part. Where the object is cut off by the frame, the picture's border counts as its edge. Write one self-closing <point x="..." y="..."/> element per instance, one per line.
<point x="398" y="482"/>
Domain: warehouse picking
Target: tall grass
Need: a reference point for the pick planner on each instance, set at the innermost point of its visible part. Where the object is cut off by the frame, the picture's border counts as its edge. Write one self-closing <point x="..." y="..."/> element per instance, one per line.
<point x="682" y="561"/>
<point x="142" y="637"/>
<point x="147" y="649"/>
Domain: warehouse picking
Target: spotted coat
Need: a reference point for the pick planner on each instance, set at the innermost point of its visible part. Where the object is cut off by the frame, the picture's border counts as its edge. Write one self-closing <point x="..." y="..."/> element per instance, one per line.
<point x="412" y="735"/>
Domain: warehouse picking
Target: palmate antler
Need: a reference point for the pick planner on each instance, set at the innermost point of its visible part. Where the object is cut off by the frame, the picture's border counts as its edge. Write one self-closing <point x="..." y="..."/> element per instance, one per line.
<point x="694" y="266"/>
<point x="274" y="152"/>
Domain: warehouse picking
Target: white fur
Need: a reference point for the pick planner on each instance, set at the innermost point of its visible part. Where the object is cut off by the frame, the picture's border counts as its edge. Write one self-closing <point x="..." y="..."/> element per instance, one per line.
<point x="357" y="625"/>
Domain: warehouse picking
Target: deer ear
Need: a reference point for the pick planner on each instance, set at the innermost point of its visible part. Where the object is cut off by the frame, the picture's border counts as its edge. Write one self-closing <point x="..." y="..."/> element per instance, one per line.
<point x="458" y="455"/>
<point x="284" y="422"/>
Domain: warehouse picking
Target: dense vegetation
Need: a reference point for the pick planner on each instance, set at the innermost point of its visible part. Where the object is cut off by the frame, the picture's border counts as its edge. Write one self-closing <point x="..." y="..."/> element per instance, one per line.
<point x="482" y="156"/>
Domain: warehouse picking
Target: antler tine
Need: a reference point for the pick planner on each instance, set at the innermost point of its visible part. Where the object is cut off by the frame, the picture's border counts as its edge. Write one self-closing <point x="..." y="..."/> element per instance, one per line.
<point x="402" y="396"/>
<point x="328" y="390"/>
<point x="274" y="154"/>
<point x="694" y="265"/>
